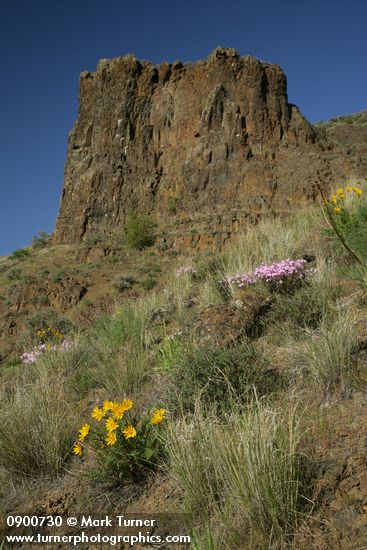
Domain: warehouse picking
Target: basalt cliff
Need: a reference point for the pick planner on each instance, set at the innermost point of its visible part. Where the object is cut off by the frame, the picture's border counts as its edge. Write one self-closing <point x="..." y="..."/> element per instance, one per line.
<point x="203" y="148"/>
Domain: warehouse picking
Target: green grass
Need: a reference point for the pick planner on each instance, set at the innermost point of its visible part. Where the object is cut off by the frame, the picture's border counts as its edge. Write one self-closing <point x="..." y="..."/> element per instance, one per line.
<point x="37" y="428"/>
<point x="244" y="473"/>
<point x="327" y="355"/>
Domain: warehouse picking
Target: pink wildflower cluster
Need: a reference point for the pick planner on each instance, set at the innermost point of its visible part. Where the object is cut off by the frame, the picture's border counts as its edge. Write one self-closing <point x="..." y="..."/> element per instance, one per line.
<point x="30" y="357"/>
<point x="186" y="269"/>
<point x="276" y="273"/>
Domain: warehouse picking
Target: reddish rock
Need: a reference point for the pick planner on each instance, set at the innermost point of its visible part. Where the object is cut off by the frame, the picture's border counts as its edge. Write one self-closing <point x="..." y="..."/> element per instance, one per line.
<point x="213" y="145"/>
<point x="228" y="323"/>
<point x="60" y="295"/>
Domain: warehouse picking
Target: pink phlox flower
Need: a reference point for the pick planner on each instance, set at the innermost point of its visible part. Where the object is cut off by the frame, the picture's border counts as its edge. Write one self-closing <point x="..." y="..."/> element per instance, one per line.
<point x="276" y="273"/>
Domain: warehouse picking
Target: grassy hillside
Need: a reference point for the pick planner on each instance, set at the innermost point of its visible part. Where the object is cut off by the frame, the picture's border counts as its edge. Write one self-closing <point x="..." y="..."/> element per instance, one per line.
<point x="233" y="393"/>
<point x="353" y="119"/>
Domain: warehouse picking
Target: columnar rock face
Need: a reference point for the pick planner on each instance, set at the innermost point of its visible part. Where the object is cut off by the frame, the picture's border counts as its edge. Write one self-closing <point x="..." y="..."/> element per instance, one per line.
<point x="201" y="147"/>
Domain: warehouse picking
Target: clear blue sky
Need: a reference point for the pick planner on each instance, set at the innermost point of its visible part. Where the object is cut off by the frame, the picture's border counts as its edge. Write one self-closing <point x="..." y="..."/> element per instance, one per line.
<point x="45" y="44"/>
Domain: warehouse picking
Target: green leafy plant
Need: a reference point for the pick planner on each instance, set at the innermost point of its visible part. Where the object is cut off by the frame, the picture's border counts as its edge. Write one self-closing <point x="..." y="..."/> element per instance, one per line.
<point x="148" y="283"/>
<point x="139" y="231"/>
<point x="15" y="274"/>
<point x="129" y="445"/>
<point x="41" y="239"/>
<point x="172" y="204"/>
<point x="19" y="254"/>
<point x="46" y="320"/>
<point x="347" y="216"/>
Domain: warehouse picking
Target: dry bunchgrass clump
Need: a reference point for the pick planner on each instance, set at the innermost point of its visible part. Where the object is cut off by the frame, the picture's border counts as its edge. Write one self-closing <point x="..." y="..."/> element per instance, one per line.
<point x="326" y="356"/>
<point x="36" y="429"/>
<point x="244" y="473"/>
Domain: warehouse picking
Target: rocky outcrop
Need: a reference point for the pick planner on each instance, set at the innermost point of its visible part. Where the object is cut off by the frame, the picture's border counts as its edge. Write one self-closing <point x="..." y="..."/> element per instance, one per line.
<point x="61" y="295"/>
<point x="202" y="147"/>
<point x="346" y="142"/>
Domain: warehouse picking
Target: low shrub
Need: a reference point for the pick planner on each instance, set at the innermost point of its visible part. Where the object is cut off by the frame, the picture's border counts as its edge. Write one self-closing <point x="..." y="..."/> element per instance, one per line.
<point x="45" y="319"/>
<point x="19" y="254"/>
<point x="59" y="274"/>
<point x="148" y="283"/>
<point x="139" y="231"/>
<point x="41" y="240"/>
<point x="15" y="274"/>
<point x="305" y="308"/>
<point x="123" y="283"/>
<point x="217" y="376"/>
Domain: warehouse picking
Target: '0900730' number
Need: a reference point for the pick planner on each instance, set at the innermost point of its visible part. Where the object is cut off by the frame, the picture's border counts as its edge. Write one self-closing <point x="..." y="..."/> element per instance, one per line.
<point x="34" y="521"/>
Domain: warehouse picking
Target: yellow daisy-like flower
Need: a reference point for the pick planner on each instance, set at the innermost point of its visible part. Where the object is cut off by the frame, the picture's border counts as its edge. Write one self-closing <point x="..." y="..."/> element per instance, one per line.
<point x="83" y="432"/>
<point x="41" y="333"/>
<point x="340" y="191"/>
<point x="349" y="188"/>
<point x="129" y="432"/>
<point x="334" y="199"/>
<point x="127" y="404"/>
<point x="108" y="406"/>
<point x="158" y="416"/>
<point x="118" y="411"/>
<point x="337" y="210"/>
<point x="111" y="425"/>
<point x="98" y="413"/>
<point x="357" y="190"/>
<point x="111" y="438"/>
<point x="78" y="449"/>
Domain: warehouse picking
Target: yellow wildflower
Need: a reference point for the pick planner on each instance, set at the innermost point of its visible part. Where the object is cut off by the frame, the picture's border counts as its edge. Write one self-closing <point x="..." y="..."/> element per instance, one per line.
<point x="129" y="432"/>
<point x="357" y="190"/>
<point x="78" y="449"/>
<point x="334" y="199"/>
<point x="340" y="191"/>
<point x="98" y="413"/>
<point x="349" y="189"/>
<point x="118" y="411"/>
<point x="127" y="404"/>
<point x="108" y="406"/>
<point x="111" y="425"/>
<point x="337" y="210"/>
<point x="83" y="432"/>
<point x="111" y="438"/>
<point x="158" y="416"/>
<point x="41" y="333"/>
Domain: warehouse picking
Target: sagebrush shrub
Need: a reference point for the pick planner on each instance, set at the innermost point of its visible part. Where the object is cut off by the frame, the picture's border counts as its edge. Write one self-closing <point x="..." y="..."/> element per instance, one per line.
<point x="218" y="376"/>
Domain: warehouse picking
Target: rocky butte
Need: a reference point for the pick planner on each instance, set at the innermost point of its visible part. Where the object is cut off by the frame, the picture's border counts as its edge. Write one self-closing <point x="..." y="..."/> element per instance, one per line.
<point x="203" y="148"/>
